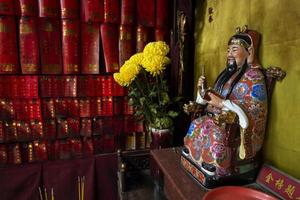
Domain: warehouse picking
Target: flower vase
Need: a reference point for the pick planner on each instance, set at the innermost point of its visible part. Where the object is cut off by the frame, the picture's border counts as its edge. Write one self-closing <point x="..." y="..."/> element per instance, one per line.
<point x="161" y="138"/>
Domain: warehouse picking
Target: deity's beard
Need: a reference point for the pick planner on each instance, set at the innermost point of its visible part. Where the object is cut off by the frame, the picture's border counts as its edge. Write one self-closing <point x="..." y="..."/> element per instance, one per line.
<point x="231" y="65"/>
<point x="228" y="72"/>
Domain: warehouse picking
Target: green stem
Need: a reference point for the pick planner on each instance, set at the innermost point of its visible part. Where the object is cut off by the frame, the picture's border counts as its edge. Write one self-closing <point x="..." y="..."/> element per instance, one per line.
<point x="148" y="116"/>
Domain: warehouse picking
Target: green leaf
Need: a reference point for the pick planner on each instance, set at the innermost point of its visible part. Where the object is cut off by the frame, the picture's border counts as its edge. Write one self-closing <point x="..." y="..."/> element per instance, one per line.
<point x="165" y="98"/>
<point x="142" y="100"/>
<point x="173" y="114"/>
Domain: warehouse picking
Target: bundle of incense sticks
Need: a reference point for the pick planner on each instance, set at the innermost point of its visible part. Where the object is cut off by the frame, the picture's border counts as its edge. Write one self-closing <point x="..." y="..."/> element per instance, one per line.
<point x="43" y="194"/>
<point x="80" y="185"/>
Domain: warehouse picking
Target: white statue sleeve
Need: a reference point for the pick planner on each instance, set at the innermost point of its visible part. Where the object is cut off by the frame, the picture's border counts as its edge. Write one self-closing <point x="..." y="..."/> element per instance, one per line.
<point x="200" y="100"/>
<point x="243" y="119"/>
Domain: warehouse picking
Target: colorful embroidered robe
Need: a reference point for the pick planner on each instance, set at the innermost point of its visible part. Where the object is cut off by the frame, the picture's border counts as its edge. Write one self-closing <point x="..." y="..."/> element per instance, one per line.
<point x="208" y="142"/>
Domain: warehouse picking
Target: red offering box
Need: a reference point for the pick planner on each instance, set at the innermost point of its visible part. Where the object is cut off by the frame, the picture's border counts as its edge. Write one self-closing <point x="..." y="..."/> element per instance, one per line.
<point x="49" y="129"/>
<point x="107" y="106"/>
<point x="126" y="43"/>
<point x="109" y="143"/>
<point x="62" y="128"/>
<point x="3" y="154"/>
<point x="128" y="11"/>
<point x="88" y="148"/>
<point x="27" y="109"/>
<point x="7" y="7"/>
<point x="26" y="7"/>
<point x="117" y="89"/>
<point x="118" y="105"/>
<point x="146" y="12"/>
<point x="84" y="107"/>
<point x="70" y="86"/>
<point x="129" y="125"/>
<point x="69" y="9"/>
<point x="7" y="110"/>
<point x="86" y="127"/>
<point x="72" y="107"/>
<point x="162" y="35"/>
<point x="8" y="48"/>
<point x="2" y="134"/>
<point x="107" y="85"/>
<point x="90" y="37"/>
<point x="45" y="83"/>
<point x="48" y="108"/>
<point x="29" y="45"/>
<point x="163" y="13"/>
<point x="49" y="8"/>
<point x="24" y="131"/>
<point x="111" y="11"/>
<point x="143" y="36"/>
<point x="63" y="149"/>
<point x="92" y="10"/>
<point x="36" y="129"/>
<point x="127" y="109"/>
<point x="110" y="38"/>
<point x="96" y="107"/>
<point x="14" y="154"/>
<point x="73" y="126"/>
<point x="11" y="132"/>
<point x="27" y="152"/>
<point x="75" y="148"/>
<point x="70" y="46"/>
<point x="61" y="107"/>
<point x="26" y="87"/>
<point x="50" y="46"/>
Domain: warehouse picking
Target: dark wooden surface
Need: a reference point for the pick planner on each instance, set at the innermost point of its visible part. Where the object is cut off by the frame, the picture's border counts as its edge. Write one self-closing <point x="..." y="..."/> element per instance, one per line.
<point x="177" y="183"/>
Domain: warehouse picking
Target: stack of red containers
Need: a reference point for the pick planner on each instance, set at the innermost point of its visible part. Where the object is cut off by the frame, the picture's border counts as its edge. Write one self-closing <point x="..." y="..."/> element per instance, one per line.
<point x="58" y="99"/>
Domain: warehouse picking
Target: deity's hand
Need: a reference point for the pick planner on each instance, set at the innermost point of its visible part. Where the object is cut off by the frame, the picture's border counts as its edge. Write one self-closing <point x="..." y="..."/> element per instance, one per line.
<point x="201" y="81"/>
<point x="201" y="85"/>
<point x="191" y="107"/>
<point x="215" y="100"/>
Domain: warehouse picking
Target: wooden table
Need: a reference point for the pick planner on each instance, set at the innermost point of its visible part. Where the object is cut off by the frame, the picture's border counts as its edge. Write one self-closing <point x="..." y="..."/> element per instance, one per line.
<point x="177" y="184"/>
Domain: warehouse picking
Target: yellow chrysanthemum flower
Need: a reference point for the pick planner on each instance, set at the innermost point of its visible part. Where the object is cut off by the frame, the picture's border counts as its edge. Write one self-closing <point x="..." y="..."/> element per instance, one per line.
<point x="128" y="72"/>
<point x="155" y="64"/>
<point x="137" y="58"/>
<point x="119" y="79"/>
<point x="157" y="48"/>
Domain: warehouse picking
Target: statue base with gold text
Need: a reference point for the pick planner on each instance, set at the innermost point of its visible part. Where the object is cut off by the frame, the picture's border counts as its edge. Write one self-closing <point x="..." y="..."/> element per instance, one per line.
<point x="208" y="180"/>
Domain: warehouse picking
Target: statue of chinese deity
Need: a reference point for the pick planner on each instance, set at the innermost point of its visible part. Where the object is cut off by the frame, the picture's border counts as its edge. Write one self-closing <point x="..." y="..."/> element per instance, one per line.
<point x="224" y="143"/>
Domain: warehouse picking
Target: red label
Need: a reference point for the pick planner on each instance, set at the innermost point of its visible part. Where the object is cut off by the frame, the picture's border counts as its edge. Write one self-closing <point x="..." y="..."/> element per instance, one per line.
<point x="109" y="35"/>
<point x="70" y="46"/>
<point x="27" y="7"/>
<point x="162" y="35"/>
<point x="90" y="48"/>
<point x="145" y="12"/>
<point x="7" y="7"/>
<point x="279" y="183"/>
<point x="126" y="43"/>
<point x="8" y="48"/>
<point x="163" y="13"/>
<point x="143" y="36"/>
<point x="128" y="11"/>
<point x="111" y="11"/>
<point x="69" y="9"/>
<point x="92" y="10"/>
<point x="49" y="8"/>
<point x="50" y="46"/>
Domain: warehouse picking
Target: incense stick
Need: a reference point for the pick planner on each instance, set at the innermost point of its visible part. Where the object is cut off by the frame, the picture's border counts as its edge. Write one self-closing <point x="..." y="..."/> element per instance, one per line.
<point x="40" y="192"/>
<point x="79" y="187"/>
<point x="52" y="194"/>
<point x="46" y="196"/>
<point x="82" y="188"/>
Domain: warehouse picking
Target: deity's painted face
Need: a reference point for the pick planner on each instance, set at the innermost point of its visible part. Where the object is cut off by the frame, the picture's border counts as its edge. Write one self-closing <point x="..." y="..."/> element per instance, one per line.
<point x="237" y="53"/>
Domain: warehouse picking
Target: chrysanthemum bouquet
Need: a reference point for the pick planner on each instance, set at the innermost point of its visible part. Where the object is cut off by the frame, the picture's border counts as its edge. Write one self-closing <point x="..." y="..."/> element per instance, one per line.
<point x="143" y="74"/>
